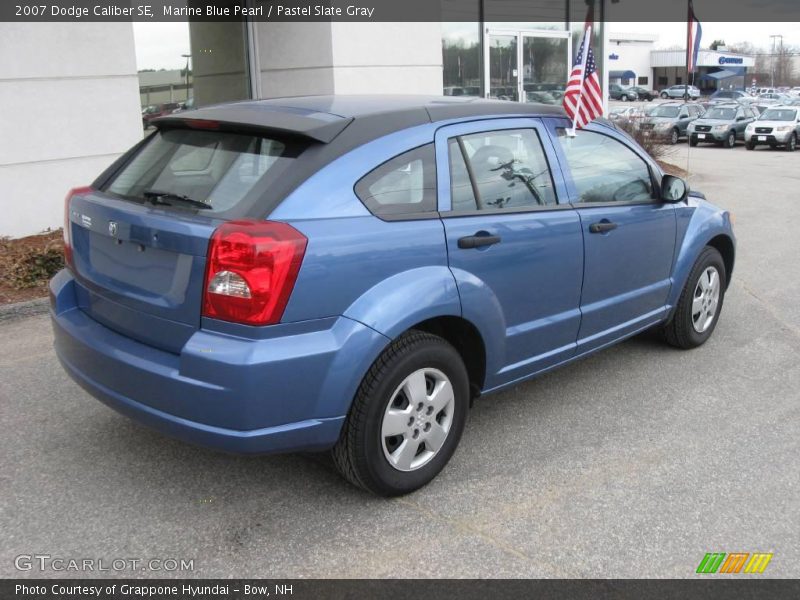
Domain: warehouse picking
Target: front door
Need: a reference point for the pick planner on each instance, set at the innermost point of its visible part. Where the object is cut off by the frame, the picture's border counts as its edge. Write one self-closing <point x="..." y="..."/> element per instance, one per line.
<point x="527" y="66"/>
<point x="515" y="246"/>
<point x="629" y="235"/>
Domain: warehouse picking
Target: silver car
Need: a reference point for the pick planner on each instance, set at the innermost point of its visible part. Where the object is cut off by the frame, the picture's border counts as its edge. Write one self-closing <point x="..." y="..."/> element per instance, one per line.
<point x="681" y="91"/>
<point x="777" y="126"/>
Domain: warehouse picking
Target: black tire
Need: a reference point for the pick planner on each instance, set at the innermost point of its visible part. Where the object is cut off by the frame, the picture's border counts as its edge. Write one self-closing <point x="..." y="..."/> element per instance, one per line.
<point x="674" y="137"/>
<point x="359" y="453"/>
<point x="730" y="141"/>
<point x="791" y="145"/>
<point x="750" y="145"/>
<point x="624" y="98"/>
<point x="649" y="98"/>
<point x="680" y="331"/>
<point x="664" y="95"/>
<point x="692" y="142"/>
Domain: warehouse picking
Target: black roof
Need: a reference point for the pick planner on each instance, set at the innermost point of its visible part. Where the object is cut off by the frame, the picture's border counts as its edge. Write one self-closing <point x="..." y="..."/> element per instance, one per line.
<point x="323" y="118"/>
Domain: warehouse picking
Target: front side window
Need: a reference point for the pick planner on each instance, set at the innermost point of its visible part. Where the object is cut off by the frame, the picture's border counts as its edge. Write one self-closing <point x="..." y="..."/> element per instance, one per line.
<point x="406" y="184"/>
<point x="499" y="170"/>
<point x="606" y="170"/>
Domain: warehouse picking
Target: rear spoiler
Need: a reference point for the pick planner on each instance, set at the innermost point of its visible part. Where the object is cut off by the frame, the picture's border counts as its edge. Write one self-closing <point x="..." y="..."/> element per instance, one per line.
<point x="255" y="117"/>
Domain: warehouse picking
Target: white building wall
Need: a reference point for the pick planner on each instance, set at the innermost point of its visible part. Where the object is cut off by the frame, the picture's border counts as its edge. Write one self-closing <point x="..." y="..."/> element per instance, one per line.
<point x="69" y="96"/>
<point x="349" y="58"/>
<point x="632" y="53"/>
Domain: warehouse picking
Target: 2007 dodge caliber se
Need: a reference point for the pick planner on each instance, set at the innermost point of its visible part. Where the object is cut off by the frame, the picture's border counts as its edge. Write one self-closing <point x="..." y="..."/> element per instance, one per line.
<point x="349" y="273"/>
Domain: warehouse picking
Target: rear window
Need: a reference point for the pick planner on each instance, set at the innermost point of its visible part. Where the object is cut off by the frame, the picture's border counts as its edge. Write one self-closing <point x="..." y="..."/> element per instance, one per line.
<point x="223" y="171"/>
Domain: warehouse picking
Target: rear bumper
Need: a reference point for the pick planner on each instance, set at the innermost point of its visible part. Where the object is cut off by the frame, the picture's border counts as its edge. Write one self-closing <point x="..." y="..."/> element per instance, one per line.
<point x="286" y="392"/>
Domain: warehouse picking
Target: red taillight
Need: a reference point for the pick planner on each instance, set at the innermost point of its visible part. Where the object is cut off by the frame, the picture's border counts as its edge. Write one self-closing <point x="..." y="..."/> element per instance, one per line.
<point x="67" y="229"/>
<point x="250" y="271"/>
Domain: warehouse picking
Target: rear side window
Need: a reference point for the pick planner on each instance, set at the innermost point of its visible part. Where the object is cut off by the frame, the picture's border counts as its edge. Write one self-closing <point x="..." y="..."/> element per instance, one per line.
<point x="219" y="169"/>
<point x="499" y="170"/>
<point x="404" y="185"/>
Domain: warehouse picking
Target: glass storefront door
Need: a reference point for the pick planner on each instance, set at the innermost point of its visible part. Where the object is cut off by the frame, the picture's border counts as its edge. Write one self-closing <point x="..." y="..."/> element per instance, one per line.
<point x="527" y="66"/>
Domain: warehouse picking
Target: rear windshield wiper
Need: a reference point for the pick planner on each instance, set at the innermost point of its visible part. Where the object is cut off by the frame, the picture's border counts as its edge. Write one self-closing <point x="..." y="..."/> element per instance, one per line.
<point x="163" y="198"/>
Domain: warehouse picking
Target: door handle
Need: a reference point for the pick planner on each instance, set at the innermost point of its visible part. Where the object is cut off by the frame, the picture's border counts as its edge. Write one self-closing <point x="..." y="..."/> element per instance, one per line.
<point x="602" y="227"/>
<point x="476" y="241"/>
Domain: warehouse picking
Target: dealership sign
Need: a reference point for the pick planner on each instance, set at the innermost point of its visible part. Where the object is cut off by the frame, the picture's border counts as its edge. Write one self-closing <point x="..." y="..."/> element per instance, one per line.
<point x="731" y="60"/>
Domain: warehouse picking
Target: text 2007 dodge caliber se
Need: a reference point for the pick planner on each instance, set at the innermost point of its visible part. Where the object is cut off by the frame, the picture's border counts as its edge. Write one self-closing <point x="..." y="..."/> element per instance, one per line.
<point x="349" y="273"/>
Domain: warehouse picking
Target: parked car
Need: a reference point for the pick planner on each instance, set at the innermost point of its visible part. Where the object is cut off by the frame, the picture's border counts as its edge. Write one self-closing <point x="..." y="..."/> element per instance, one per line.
<point x="722" y="124"/>
<point x="350" y="273"/>
<point x="644" y="93"/>
<point x="670" y="120"/>
<point x="795" y="91"/>
<point x="777" y="126"/>
<point x="681" y="91"/>
<point x="626" y="114"/>
<point x="729" y="95"/>
<point x="187" y="105"/>
<point x="617" y="92"/>
<point x="153" y="111"/>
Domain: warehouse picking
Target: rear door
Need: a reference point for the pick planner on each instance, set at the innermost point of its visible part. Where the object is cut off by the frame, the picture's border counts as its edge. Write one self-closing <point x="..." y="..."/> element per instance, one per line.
<point x="139" y="264"/>
<point x="514" y="246"/>
<point x="629" y="235"/>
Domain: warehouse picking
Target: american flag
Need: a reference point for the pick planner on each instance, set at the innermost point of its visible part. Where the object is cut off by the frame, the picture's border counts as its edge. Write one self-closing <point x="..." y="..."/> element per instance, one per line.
<point x="583" y="98"/>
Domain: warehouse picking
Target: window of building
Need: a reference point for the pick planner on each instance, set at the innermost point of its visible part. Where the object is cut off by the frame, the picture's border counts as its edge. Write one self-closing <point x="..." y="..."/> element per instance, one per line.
<point x="643" y="80"/>
<point x="461" y="59"/>
<point x="662" y="81"/>
<point x="605" y="170"/>
<point x="499" y="170"/>
<point x="405" y="184"/>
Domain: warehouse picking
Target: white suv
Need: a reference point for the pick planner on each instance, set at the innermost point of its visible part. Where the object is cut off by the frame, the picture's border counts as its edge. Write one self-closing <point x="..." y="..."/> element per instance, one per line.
<point x="777" y="126"/>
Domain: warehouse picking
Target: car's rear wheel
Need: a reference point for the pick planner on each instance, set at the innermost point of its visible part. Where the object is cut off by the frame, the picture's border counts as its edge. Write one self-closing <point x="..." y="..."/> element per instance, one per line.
<point x="407" y="417"/>
<point x="730" y="141"/>
<point x="791" y="145"/>
<point x="700" y="302"/>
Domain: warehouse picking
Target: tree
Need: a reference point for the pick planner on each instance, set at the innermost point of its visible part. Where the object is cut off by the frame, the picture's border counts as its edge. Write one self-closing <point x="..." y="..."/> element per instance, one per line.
<point x="716" y="44"/>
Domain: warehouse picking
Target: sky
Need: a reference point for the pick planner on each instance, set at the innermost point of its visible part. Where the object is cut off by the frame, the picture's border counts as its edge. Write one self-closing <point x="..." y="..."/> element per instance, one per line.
<point x="671" y="34"/>
<point x="160" y="45"/>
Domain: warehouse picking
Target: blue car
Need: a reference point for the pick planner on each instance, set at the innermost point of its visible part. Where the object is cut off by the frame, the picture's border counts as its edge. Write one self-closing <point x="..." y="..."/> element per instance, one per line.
<point x="350" y="273"/>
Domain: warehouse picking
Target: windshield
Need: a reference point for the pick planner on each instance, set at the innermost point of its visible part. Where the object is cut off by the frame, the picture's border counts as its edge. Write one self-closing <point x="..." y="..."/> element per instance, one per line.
<point x="727" y="114"/>
<point x="775" y="114"/>
<point x="664" y="111"/>
<point x="215" y="168"/>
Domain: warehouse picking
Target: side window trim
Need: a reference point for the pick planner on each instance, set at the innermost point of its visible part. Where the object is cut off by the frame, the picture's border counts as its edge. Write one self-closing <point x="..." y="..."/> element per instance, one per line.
<point x="556" y="124"/>
<point x="447" y="132"/>
<point x="476" y="192"/>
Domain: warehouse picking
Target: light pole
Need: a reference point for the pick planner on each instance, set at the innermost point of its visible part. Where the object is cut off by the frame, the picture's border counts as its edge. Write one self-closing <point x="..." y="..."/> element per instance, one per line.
<point x="187" y="57"/>
<point x="773" y="37"/>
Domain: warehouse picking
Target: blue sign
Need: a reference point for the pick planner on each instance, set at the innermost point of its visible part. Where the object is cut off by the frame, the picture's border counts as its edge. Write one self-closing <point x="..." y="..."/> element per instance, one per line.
<point x="613" y="56"/>
<point x="730" y="60"/>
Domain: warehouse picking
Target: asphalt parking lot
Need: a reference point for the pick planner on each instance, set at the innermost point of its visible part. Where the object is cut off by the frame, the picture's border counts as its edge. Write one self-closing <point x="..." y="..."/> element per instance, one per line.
<point x="632" y="463"/>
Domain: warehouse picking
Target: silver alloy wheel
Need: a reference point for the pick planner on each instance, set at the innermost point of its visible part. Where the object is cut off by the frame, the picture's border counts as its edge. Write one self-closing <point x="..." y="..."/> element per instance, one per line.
<point x="417" y="419"/>
<point x="706" y="300"/>
<point x="675" y="136"/>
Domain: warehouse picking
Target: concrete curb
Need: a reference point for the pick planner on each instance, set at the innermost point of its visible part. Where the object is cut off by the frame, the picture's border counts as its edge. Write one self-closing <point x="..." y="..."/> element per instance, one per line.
<point x="20" y="310"/>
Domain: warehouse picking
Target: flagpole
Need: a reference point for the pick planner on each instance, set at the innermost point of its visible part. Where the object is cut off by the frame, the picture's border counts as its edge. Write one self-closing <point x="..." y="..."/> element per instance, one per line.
<point x="688" y="48"/>
<point x="585" y="48"/>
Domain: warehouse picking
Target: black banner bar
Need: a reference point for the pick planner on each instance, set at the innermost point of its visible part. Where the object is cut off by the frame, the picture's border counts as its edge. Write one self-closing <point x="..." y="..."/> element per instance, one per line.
<point x="709" y="588"/>
<point x="530" y="11"/>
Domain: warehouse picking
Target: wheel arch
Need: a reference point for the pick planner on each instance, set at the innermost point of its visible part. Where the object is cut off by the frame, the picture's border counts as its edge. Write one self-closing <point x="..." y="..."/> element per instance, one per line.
<point x="724" y="245"/>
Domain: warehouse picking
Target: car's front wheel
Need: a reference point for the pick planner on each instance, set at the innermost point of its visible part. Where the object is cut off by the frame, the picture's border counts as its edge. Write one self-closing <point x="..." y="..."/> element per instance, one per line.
<point x="674" y="137"/>
<point x="750" y="145"/>
<point x="791" y="145"/>
<point x="664" y="95"/>
<point x="407" y="417"/>
<point x="730" y="141"/>
<point x="700" y="302"/>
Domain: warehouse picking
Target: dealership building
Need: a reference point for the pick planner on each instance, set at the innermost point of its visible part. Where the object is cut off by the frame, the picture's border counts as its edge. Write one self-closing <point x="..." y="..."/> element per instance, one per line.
<point x="632" y="60"/>
<point x="76" y="95"/>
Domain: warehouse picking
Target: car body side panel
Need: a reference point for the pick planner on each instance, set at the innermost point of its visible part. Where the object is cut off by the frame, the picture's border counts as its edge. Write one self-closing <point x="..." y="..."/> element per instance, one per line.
<point x="698" y="223"/>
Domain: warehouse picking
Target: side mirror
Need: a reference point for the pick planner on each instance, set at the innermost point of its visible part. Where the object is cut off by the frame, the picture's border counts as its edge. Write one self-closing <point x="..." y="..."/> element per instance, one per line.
<point x="673" y="189"/>
<point x="740" y="118"/>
